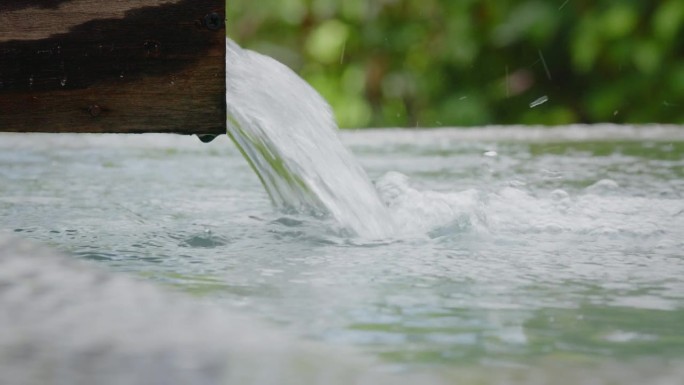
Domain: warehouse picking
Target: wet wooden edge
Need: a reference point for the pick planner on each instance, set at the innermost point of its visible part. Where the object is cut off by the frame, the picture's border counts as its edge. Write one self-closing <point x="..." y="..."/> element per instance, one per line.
<point x="152" y="68"/>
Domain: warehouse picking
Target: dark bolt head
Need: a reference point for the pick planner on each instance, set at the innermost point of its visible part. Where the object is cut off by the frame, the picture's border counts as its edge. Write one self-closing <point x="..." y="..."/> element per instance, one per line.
<point x="213" y="21"/>
<point x="94" y="110"/>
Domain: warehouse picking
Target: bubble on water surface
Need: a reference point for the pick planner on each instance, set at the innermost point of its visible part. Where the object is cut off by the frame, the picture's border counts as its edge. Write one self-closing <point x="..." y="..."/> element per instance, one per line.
<point x="604" y="186"/>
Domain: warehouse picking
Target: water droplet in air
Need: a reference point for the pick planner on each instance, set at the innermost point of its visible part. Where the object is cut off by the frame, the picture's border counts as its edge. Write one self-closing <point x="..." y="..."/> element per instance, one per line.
<point x="539" y="101"/>
<point x="63" y="81"/>
<point x="491" y="153"/>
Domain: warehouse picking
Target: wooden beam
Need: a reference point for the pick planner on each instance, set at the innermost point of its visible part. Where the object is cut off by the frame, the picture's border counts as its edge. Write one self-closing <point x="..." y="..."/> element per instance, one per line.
<point x="101" y="66"/>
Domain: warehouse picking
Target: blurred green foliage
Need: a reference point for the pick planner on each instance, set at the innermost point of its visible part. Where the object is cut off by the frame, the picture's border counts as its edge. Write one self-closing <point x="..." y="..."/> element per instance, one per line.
<point x="471" y="62"/>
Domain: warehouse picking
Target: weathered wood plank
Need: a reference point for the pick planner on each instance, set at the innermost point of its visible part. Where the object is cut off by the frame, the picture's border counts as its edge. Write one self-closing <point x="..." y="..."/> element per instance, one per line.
<point x="112" y="66"/>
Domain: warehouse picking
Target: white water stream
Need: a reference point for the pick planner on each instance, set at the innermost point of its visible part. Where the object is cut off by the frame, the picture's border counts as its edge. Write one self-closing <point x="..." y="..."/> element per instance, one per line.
<point x="288" y="134"/>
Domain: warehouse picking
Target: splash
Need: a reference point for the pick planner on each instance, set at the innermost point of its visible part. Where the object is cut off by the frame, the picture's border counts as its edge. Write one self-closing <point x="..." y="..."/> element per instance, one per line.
<point x="287" y="133"/>
<point x="601" y="210"/>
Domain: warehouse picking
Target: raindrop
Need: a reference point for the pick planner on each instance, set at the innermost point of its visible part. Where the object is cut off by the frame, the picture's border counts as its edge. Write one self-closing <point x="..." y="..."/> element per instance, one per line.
<point x="63" y="81"/>
<point x="491" y="153"/>
<point x="539" y="101"/>
<point x="344" y="48"/>
<point x="546" y="68"/>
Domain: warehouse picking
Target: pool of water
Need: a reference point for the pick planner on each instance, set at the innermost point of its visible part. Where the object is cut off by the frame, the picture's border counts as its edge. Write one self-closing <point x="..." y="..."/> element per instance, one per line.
<point x="514" y="247"/>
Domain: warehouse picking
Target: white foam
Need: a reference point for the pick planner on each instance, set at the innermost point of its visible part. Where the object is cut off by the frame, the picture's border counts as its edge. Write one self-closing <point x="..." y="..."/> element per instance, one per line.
<point x="597" y="210"/>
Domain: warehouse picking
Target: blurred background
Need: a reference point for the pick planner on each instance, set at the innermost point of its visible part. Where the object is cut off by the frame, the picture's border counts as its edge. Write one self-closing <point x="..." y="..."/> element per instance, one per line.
<point x="431" y="63"/>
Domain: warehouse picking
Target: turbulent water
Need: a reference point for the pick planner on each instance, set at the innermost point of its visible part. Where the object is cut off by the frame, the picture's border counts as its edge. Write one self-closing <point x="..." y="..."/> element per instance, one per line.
<point x="288" y="134"/>
<point x="492" y="255"/>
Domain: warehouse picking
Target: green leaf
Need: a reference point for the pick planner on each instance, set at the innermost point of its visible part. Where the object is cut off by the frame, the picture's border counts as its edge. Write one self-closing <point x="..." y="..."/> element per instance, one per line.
<point x="647" y="56"/>
<point x="619" y="21"/>
<point x="668" y="19"/>
<point x="327" y="41"/>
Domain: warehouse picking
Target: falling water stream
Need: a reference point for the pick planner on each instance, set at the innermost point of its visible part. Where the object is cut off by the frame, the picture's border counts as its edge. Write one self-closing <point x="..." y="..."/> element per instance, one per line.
<point x="489" y="255"/>
<point x="288" y="134"/>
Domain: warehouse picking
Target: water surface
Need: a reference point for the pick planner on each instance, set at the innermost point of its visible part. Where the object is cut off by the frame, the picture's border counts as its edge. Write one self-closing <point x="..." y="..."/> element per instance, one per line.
<point x="515" y="247"/>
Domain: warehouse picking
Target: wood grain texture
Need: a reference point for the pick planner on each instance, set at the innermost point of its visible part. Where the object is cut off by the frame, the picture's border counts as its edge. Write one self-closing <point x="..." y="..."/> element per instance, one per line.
<point x="128" y="67"/>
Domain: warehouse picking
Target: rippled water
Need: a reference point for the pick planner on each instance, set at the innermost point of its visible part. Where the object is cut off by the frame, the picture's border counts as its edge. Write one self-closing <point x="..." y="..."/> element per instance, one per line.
<point x="517" y="247"/>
